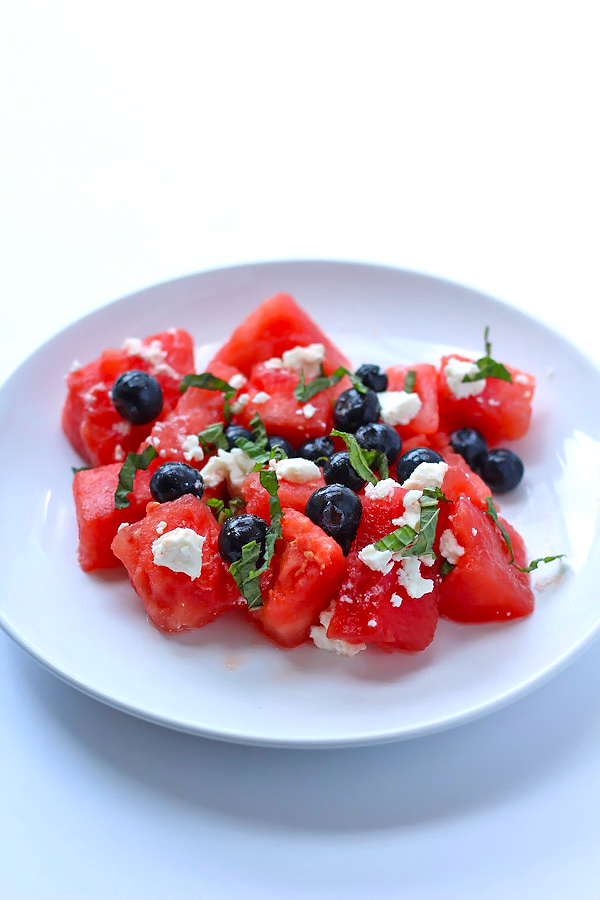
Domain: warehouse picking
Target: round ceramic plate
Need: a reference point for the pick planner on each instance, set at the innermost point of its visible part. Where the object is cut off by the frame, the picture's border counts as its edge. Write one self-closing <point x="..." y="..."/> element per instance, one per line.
<point x="225" y="681"/>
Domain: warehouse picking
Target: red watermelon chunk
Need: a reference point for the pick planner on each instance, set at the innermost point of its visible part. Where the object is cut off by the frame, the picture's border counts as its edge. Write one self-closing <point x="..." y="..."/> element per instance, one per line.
<point x="426" y="386"/>
<point x="174" y="600"/>
<point x="275" y="326"/>
<point x="90" y="421"/>
<point x="307" y="571"/>
<point x="501" y="412"/>
<point x="97" y="518"/>
<point x="290" y="494"/>
<point x="484" y="586"/>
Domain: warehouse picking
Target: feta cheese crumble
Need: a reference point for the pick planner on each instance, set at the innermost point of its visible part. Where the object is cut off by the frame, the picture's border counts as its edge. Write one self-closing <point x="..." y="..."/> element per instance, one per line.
<point x="377" y="560"/>
<point x="382" y="489"/>
<point x="161" y="527"/>
<point x="192" y="451"/>
<point x="398" y="407"/>
<point x="308" y="358"/>
<point x="410" y="578"/>
<point x="179" y="550"/>
<point x="449" y="547"/>
<point x="318" y="634"/>
<point x="426" y="475"/>
<point x="152" y="353"/>
<point x="238" y="381"/>
<point x="238" y="405"/>
<point x="232" y="466"/>
<point x="412" y="507"/>
<point x="296" y="470"/>
<point x="396" y="600"/>
<point x="261" y="397"/>
<point x="455" y="370"/>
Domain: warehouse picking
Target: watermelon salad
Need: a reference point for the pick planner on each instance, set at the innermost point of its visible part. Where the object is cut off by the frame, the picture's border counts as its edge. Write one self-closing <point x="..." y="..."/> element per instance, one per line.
<point x="341" y="506"/>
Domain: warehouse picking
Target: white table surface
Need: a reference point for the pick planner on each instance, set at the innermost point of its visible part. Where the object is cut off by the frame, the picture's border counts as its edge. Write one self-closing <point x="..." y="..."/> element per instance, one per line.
<point x="142" y="142"/>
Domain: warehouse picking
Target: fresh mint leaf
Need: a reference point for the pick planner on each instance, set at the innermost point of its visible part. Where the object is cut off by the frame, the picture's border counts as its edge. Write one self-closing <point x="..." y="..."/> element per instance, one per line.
<point x="208" y="382"/>
<point x="359" y="460"/>
<point x="397" y="540"/>
<point x="214" y="436"/>
<point x="222" y="511"/>
<point x="409" y="381"/>
<point x="492" y="512"/>
<point x="488" y="367"/>
<point x="133" y="462"/>
<point x="76" y="469"/>
<point x="446" y="567"/>
<point x="306" y="390"/>
<point x="410" y="542"/>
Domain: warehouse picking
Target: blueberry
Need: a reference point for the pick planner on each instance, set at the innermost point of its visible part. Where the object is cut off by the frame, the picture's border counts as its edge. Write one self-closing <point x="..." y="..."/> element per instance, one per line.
<point x="240" y="530"/>
<point x="471" y="445"/>
<point x="373" y="377"/>
<point x="137" y="396"/>
<point x="316" y="449"/>
<point x="275" y="440"/>
<point x="337" y="510"/>
<point x="173" y="480"/>
<point x="337" y="470"/>
<point x="234" y="432"/>
<point x="353" y="409"/>
<point x="502" y="470"/>
<point x="409" y="461"/>
<point x="377" y="436"/>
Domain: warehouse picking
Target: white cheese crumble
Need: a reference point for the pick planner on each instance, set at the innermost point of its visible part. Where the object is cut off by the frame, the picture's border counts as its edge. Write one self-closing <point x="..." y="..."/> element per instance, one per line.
<point x="372" y="623"/>
<point x="232" y="466"/>
<point x="396" y="600"/>
<point x="238" y="405"/>
<point x="319" y="635"/>
<point x="179" y="550"/>
<point x="261" y="397"/>
<point x="412" y="507"/>
<point x="410" y="578"/>
<point x="152" y="353"/>
<point x="118" y="453"/>
<point x="309" y="410"/>
<point x="161" y="527"/>
<point x="308" y="358"/>
<point x="122" y="428"/>
<point x="426" y="475"/>
<point x="382" y="489"/>
<point x="449" y="547"/>
<point x="521" y="379"/>
<point x="238" y="381"/>
<point x="455" y="370"/>
<point x="345" y="598"/>
<point x="192" y="451"/>
<point x="296" y="470"/>
<point x="90" y="397"/>
<point x="474" y="532"/>
<point x="377" y="560"/>
<point x="398" y="407"/>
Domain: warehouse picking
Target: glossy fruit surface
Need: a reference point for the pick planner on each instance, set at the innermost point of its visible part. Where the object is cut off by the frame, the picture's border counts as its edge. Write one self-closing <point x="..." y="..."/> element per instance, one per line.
<point x="174" y="479"/>
<point x="380" y="437"/>
<point x="137" y="397"/>
<point x="337" y="510"/>
<point x="502" y="470"/>
<point x="409" y="461"/>
<point x="238" y="531"/>
<point x="338" y="470"/>
<point x="471" y="445"/>
<point x="373" y="377"/>
<point x="353" y="409"/>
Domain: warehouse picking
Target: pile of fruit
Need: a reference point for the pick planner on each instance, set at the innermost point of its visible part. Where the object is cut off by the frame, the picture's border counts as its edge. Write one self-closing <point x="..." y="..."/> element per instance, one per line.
<point x="352" y="507"/>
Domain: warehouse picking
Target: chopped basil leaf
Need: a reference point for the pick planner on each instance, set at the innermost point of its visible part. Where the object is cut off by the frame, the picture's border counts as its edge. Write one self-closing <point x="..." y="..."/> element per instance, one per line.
<point x="208" y="382"/>
<point x="304" y="391"/>
<point x="379" y="462"/>
<point x="223" y="512"/>
<point x="409" y="381"/>
<point x="492" y="512"/>
<point x="486" y="340"/>
<point x="397" y="540"/>
<point x="359" y="460"/>
<point x="446" y="567"/>
<point x="133" y="462"/>
<point x="488" y="367"/>
<point x="76" y="469"/>
<point x="244" y="570"/>
<point x="408" y="542"/>
<point x="214" y="436"/>
<point x="258" y="449"/>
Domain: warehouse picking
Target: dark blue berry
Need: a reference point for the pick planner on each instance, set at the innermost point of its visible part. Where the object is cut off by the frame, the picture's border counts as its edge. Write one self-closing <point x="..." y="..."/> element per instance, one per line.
<point x="409" y="461"/>
<point x="316" y="449"/>
<point x="337" y="510"/>
<point x="173" y="480"/>
<point x="238" y="531"/>
<point x="353" y="409"/>
<point x="377" y="436"/>
<point x="337" y="470"/>
<point x="137" y="396"/>
<point x="373" y="377"/>
<point x="234" y="432"/>
<point x="471" y="445"/>
<point x="275" y="440"/>
<point x="502" y="470"/>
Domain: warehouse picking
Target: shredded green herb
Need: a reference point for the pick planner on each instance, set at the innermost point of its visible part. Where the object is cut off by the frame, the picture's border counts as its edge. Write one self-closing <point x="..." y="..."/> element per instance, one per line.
<point x="488" y="367"/>
<point x="306" y="390"/>
<point x="492" y="512"/>
<point x="133" y="463"/>
<point x="409" y="381"/>
<point x="359" y="459"/>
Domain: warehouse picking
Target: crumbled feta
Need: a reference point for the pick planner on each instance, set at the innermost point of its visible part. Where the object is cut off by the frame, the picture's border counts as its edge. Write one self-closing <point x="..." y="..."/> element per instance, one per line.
<point x="396" y="600"/>
<point x="372" y="623"/>
<point x="493" y="402"/>
<point x="426" y="475"/>
<point x="345" y="598"/>
<point x="474" y="532"/>
<point x="238" y="381"/>
<point x="521" y="378"/>
<point x="412" y="507"/>
<point x="296" y="470"/>
<point x="319" y="635"/>
<point x="377" y="560"/>
<point x="192" y="451"/>
<point x="161" y="527"/>
<point x="309" y="410"/>
<point x="179" y="550"/>
<point x="410" y="578"/>
<point x="232" y="466"/>
<point x="238" y="405"/>
<point x="449" y="547"/>
<point x="275" y="362"/>
<point x="152" y="353"/>
<point x="261" y="397"/>
<point x="118" y="453"/>
<point x="122" y="428"/>
<point x="455" y="370"/>
<point x="382" y="489"/>
<point x="90" y="397"/>
<point x="398" y="407"/>
<point x="307" y="358"/>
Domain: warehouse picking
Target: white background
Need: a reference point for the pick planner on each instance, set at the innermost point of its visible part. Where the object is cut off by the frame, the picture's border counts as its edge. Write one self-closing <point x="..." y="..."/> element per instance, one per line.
<point x="143" y="141"/>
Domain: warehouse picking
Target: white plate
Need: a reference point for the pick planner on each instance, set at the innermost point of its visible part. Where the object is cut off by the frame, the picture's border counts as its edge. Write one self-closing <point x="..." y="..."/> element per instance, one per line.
<point x="225" y="681"/>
